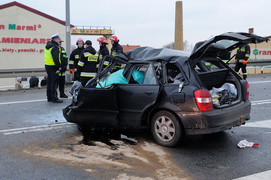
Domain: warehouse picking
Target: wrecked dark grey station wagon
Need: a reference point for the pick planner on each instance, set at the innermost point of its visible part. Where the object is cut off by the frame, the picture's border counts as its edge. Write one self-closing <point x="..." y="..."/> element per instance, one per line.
<point x="173" y="93"/>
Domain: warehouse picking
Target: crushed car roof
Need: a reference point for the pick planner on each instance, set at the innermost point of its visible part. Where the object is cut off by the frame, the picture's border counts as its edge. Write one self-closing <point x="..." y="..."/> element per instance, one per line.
<point x="153" y="54"/>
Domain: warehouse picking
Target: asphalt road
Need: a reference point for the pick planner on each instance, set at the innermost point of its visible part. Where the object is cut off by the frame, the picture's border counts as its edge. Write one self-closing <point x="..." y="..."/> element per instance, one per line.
<point x="37" y="143"/>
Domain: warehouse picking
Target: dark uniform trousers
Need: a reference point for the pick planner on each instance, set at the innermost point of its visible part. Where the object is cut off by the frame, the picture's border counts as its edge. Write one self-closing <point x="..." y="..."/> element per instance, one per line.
<point x="244" y="69"/>
<point x="52" y="82"/>
<point x="76" y="76"/>
<point x="61" y="81"/>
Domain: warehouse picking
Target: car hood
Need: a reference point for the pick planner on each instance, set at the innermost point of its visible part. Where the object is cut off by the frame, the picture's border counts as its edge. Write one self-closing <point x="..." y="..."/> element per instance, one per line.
<point x="222" y="43"/>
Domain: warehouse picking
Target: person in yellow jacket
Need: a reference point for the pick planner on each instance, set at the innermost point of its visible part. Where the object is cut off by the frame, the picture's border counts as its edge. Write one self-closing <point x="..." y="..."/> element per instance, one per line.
<point x="52" y="54"/>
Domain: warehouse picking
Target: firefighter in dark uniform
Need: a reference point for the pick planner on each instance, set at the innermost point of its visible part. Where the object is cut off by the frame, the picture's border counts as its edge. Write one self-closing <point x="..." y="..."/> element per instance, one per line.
<point x="52" y="53"/>
<point x="103" y="51"/>
<point x="61" y="78"/>
<point x="116" y="48"/>
<point x="87" y="65"/>
<point x="242" y="56"/>
<point x="74" y="58"/>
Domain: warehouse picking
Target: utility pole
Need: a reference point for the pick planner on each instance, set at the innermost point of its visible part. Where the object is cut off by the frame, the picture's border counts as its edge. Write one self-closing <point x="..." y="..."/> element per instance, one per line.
<point x="68" y="29"/>
<point x="179" y="26"/>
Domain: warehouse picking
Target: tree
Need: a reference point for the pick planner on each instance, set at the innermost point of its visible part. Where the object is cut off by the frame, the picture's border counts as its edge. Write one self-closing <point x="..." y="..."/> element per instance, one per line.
<point x="169" y="46"/>
<point x="186" y="46"/>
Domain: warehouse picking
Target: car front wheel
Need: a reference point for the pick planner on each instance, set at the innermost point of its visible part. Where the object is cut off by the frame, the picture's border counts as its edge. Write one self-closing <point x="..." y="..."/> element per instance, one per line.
<point x="166" y="129"/>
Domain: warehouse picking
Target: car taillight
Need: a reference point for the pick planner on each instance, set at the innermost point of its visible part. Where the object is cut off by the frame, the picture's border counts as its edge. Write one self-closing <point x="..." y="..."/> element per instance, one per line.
<point x="204" y="100"/>
<point x="247" y="95"/>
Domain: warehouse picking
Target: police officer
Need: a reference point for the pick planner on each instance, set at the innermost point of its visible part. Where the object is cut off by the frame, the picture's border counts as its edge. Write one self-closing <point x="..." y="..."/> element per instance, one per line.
<point x="116" y="47"/>
<point x="74" y="58"/>
<point x="87" y="65"/>
<point x="61" y="79"/>
<point x="53" y="68"/>
<point x="242" y="56"/>
<point x="103" y="51"/>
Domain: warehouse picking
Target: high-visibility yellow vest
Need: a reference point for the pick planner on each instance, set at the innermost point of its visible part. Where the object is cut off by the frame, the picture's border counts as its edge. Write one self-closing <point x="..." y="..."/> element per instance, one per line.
<point x="48" y="58"/>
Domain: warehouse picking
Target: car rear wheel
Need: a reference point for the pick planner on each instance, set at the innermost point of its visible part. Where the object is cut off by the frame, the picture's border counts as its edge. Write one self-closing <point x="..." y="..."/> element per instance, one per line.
<point x="166" y="129"/>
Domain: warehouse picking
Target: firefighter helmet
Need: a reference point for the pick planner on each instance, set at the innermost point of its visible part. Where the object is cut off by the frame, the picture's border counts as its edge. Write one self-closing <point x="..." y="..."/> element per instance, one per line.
<point x="79" y="40"/>
<point x="88" y="42"/>
<point x="102" y="40"/>
<point x="114" y="38"/>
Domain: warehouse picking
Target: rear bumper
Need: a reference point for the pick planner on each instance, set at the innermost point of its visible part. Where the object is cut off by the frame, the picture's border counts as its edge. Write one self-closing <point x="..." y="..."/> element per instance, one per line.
<point x="216" y="120"/>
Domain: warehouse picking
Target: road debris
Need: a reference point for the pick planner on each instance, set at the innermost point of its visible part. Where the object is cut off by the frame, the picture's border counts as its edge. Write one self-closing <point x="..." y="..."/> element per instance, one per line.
<point x="128" y="138"/>
<point x="244" y="143"/>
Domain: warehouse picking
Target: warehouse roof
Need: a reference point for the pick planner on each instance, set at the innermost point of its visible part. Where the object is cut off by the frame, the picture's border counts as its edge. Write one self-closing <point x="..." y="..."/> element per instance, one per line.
<point x="15" y="3"/>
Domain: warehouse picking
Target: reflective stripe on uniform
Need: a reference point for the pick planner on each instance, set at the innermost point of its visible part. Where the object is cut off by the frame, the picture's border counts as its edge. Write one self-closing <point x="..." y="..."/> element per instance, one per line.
<point x="71" y="62"/>
<point x="93" y="58"/>
<point x="80" y="63"/>
<point x="63" y="74"/>
<point x="86" y="74"/>
<point x="244" y="73"/>
<point x="243" y="50"/>
<point x="77" y="56"/>
<point x="86" y="54"/>
<point x="63" y="51"/>
<point x="247" y="55"/>
<point x="106" y="63"/>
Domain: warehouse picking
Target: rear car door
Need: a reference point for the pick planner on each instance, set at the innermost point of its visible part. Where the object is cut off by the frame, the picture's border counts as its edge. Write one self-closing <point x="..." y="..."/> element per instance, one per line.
<point x="138" y="95"/>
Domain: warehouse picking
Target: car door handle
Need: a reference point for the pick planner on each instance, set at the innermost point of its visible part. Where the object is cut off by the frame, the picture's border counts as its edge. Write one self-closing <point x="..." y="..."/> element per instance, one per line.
<point x="148" y="92"/>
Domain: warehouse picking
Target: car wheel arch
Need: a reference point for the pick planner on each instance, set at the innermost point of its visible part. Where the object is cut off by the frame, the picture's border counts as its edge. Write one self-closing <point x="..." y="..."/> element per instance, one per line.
<point x="156" y="110"/>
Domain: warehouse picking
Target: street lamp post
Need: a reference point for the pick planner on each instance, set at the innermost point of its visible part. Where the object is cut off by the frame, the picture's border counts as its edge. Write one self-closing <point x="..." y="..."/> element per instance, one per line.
<point x="68" y="29"/>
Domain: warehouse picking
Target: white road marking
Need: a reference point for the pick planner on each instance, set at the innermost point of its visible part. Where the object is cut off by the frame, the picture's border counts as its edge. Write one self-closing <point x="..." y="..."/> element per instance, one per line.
<point x="260" y="102"/>
<point x="29" y="101"/>
<point x="18" y="102"/>
<point x="259" y="82"/>
<point x="266" y="175"/>
<point x="36" y="128"/>
<point x="259" y="124"/>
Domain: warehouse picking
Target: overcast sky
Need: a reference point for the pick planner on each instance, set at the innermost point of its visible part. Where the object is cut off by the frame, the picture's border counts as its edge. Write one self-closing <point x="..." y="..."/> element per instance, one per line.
<point x="151" y="22"/>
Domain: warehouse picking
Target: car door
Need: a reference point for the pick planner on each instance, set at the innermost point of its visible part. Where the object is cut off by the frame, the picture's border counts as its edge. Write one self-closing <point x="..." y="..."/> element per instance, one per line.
<point x="138" y="95"/>
<point x="222" y="43"/>
<point x="98" y="106"/>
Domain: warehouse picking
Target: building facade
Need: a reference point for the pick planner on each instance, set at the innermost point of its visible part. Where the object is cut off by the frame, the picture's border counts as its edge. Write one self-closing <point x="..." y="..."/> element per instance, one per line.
<point x="24" y="32"/>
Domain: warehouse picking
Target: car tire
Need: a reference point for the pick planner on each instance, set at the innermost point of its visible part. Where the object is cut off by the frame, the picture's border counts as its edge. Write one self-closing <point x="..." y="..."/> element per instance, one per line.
<point x="166" y="129"/>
